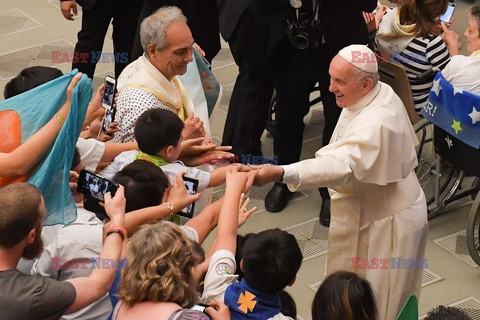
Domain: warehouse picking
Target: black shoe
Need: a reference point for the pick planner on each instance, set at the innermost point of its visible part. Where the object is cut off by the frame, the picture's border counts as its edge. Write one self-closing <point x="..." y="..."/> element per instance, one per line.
<point x="277" y="198"/>
<point x="324" y="216"/>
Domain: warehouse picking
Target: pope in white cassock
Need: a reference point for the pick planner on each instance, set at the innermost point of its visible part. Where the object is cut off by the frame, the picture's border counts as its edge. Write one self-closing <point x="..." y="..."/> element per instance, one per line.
<point x="379" y="216"/>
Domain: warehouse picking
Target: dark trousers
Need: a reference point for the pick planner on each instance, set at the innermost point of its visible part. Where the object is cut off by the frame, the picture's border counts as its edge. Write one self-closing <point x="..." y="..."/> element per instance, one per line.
<point x="293" y="73"/>
<point x="248" y="108"/>
<point x="294" y="80"/>
<point x="95" y="23"/>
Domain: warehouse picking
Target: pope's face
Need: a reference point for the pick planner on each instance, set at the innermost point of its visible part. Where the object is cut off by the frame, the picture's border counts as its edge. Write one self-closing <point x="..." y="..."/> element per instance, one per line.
<point x="344" y="83"/>
<point x="473" y="38"/>
<point x="174" y="58"/>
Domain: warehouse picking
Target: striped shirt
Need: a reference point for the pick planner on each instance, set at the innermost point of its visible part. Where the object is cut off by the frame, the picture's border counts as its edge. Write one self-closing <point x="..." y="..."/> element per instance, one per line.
<point x="420" y="58"/>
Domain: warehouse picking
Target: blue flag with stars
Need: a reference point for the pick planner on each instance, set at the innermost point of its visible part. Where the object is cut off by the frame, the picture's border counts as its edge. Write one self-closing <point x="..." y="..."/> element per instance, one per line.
<point x="454" y="110"/>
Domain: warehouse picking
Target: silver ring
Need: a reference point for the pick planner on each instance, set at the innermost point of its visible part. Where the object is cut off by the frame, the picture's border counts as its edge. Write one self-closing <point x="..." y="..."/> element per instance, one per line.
<point x="244" y="209"/>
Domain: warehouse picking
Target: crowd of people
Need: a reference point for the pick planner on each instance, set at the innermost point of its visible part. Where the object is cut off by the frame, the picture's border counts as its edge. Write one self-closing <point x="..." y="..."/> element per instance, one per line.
<point x="140" y="259"/>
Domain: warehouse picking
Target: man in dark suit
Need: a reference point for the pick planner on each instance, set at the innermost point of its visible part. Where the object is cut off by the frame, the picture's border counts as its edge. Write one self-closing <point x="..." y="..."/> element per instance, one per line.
<point x="202" y="19"/>
<point x="96" y="18"/>
<point x="256" y="32"/>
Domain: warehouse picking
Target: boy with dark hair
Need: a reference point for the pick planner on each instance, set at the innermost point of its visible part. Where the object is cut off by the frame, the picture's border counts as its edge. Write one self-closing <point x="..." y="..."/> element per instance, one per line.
<point x="447" y="313"/>
<point x="144" y="184"/>
<point x="159" y="135"/>
<point x="270" y="261"/>
<point x="156" y="129"/>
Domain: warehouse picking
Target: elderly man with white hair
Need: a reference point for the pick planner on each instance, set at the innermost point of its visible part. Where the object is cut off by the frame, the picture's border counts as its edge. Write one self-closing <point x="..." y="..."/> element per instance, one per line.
<point x="378" y="214"/>
<point x="151" y="80"/>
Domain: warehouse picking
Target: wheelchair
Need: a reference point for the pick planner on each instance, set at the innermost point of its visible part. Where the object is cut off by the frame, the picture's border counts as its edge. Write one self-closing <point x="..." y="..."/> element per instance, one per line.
<point x="450" y="162"/>
<point x="442" y="167"/>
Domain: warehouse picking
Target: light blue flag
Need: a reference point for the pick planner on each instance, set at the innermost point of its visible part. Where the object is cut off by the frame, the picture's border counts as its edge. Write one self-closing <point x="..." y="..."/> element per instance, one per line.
<point x="202" y="86"/>
<point x="36" y="107"/>
<point x="454" y="110"/>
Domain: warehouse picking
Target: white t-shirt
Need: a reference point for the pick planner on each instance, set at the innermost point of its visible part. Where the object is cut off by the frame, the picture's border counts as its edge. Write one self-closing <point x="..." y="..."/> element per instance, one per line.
<point x="462" y="72"/>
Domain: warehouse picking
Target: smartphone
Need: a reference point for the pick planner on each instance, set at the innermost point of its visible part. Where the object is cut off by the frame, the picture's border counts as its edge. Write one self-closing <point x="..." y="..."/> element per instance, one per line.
<point x="200" y="307"/>
<point x="94" y="188"/>
<point x="447" y="16"/>
<point x="191" y="185"/>
<point x="109" y="92"/>
<point x="108" y="118"/>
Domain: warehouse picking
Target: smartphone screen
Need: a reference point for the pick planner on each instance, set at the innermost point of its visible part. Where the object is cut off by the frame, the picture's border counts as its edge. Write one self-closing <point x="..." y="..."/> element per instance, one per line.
<point x="108" y="92"/>
<point x="191" y="185"/>
<point x="107" y="119"/>
<point x="95" y="186"/>
<point x="447" y="16"/>
<point x="200" y="307"/>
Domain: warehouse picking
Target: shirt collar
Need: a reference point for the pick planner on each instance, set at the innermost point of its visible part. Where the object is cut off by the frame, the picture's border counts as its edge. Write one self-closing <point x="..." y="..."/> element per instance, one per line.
<point x="365" y="101"/>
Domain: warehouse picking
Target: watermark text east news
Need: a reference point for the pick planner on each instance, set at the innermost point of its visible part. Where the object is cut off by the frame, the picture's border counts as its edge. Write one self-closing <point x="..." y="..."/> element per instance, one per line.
<point x="89" y="57"/>
<point x="86" y="263"/>
<point x="389" y="263"/>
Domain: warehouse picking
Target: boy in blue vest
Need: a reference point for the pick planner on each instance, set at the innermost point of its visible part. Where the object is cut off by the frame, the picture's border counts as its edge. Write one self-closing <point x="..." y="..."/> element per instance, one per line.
<point x="270" y="262"/>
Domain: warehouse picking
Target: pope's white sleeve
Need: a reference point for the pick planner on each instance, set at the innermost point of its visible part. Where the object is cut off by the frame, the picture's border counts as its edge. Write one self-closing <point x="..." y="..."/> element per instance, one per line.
<point x="322" y="171"/>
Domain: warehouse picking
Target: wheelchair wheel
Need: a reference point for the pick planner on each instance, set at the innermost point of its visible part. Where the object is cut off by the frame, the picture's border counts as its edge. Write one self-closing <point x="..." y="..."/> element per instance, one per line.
<point x="426" y="169"/>
<point x="473" y="231"/>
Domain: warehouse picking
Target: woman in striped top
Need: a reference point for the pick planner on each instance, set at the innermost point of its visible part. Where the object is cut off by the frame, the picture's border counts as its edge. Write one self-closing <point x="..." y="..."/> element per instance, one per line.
<point x="411" y="35"/>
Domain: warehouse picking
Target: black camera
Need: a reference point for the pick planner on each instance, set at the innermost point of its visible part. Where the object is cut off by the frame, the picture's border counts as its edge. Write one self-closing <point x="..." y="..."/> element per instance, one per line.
<point x="304" y="35"/>
<point x="304" y="29"/>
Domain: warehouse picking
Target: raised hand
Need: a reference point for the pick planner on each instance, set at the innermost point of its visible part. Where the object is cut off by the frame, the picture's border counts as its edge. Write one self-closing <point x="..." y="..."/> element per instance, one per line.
<point x="243" y="212"/>
<point x="115" y="207"/>
<point x="178" y="194"/>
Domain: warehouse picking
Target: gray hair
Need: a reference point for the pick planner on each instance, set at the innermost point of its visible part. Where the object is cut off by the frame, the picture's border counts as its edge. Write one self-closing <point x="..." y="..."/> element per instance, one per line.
<point x="153" y="28"/>
<point x="360" y="75"/>
<point x="475" y="12"/>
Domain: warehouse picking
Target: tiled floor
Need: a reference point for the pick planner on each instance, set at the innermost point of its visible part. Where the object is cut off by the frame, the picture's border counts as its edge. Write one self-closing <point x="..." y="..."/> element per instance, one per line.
<point x="31" y="29"/>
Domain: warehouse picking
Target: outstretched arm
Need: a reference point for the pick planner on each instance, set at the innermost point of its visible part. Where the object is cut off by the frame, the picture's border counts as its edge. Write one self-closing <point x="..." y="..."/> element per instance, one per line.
<point x="95" y="286"/>
<point x="24" y="157"/>
<point x="218" y="176"/>
<point x="228" y="219"/>
<point x="177" y="196"/>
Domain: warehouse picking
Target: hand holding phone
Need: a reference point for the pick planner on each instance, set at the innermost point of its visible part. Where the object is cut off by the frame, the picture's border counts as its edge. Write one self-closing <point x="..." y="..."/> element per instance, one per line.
<point x="447" y="16"/>
<point x="109" y="92"/>
<point x="191" y="185"/>
<point x="108" y="119"/>
<point x="94" y="188"/>
<point x="200" y="307"/>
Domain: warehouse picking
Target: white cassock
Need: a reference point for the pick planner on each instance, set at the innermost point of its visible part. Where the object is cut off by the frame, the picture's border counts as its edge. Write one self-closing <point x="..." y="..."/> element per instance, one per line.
<point x="378" y="208"/>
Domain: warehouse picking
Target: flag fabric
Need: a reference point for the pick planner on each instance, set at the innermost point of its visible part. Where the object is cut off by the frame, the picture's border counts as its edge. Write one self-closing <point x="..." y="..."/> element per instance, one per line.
<point x="454" y="110"/>
<point x="202" y="86"/>
<point x="245" y="302"/>
<point x="34" y="109"/>
<point x="211" y="87"/>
